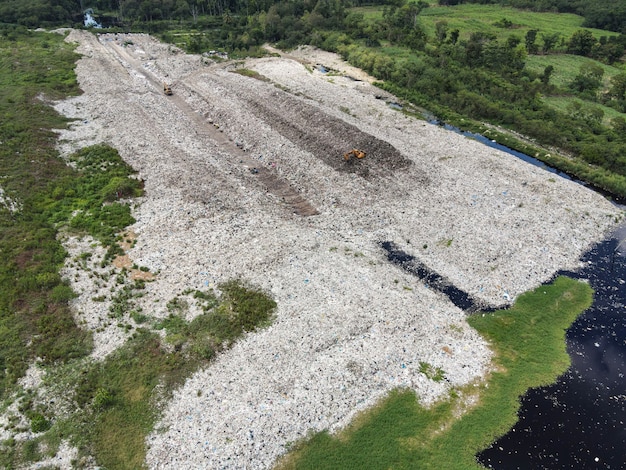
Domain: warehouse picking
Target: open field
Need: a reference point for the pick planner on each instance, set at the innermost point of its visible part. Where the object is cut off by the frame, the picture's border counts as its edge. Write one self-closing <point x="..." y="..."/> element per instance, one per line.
<point x="482" y="18"/>
<point x="566" y="67"/>
<point x="469" y="18"/>
<point x="563" y="103"/>
<point x="244" y="177"/>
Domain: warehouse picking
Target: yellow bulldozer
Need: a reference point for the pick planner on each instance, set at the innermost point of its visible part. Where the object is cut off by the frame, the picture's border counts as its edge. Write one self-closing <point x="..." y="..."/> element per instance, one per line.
<point x="167" y="89"/>
<point x="353" y="153"/>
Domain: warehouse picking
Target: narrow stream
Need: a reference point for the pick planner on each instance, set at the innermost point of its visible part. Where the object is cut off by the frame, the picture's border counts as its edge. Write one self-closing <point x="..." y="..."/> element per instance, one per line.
<point x="493" y="144"/>
<point x="522" y="156"/>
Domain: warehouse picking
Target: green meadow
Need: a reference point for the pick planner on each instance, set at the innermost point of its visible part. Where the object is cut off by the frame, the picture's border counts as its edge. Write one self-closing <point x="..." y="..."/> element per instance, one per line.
<point x="469" y="18"/>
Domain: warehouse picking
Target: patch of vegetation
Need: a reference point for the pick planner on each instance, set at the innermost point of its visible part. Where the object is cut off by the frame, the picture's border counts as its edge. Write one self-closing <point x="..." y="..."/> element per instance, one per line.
<point x="35" y="320"/>
<point x="566" y="67"/>
<point x="345" y="110"/>
<point x="119" y="395"/>
<point x="435" y="374"/>
<point x="445" y="242"/>
<point x="91" y="199"/>
<point x="123" y="301"/>
<point x="247" y="307"/>
<point x="529" y="345"/>
<point x="252" y="74"/>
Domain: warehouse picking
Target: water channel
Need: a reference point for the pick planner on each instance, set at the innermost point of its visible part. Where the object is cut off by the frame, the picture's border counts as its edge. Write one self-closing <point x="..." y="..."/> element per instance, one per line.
<point x="580" y="421"/>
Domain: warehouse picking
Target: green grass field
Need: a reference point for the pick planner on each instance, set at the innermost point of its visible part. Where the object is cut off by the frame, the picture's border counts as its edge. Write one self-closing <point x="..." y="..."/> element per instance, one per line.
<point x="470" y="18"/>
<point x="562" y="103"/>
<point x="566" y="67"/>
<point x="482" y="18"/>
<point x="529" y="345"/>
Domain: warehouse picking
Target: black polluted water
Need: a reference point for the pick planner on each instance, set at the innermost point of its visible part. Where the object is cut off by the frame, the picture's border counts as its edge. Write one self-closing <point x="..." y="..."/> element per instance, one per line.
<point x="580" y="422"/>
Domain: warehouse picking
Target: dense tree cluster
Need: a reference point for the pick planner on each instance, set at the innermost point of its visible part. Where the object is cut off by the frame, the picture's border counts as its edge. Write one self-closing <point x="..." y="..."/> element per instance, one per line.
<point x="602" y="14"/>
<point x="36" y="13"/>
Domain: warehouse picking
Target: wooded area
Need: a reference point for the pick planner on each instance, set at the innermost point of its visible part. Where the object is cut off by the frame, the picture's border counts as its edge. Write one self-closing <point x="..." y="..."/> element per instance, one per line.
<point x="609" y="15"/>
<point x="453" y="72"/>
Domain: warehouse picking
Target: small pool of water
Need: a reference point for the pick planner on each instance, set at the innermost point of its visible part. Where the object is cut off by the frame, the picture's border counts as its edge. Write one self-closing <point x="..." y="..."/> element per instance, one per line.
<point x="431" y="279"/>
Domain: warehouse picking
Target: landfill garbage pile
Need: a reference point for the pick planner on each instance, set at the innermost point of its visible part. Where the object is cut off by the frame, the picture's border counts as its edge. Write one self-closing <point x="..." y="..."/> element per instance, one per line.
<point x="245" y="178"/>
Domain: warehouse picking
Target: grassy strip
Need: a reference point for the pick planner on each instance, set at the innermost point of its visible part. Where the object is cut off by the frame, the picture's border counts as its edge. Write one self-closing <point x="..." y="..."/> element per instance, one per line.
<point x="563" y="104"/>
<point x="119" y="397"/>
<point x="34" y="318"/>
<point x="45" y="194"/>
<point x="251" y="73"/>
<point x="528" y="341"/>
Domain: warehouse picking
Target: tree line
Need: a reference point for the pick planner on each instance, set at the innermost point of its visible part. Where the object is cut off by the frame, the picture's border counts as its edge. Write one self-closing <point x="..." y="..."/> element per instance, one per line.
<point x="601" y="14"/>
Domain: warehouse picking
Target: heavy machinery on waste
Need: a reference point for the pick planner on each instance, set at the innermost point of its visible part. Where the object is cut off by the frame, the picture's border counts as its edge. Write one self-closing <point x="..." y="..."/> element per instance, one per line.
<point x="167" y="89"/>
<point x="353" y="153"/>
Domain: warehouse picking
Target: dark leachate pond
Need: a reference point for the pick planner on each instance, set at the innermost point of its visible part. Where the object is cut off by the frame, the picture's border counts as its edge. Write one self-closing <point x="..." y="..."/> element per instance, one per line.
<point x="580" y="422"/>
<point x="430" y="278"/>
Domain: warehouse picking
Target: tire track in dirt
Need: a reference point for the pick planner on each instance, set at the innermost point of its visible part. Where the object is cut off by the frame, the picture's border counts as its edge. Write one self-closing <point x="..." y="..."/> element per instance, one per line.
<point x="327" y="137"/>
<point x="265" y="176"/>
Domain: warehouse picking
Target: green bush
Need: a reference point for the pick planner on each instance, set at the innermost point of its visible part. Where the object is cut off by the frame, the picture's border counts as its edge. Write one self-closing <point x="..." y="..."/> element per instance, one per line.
<point x="120" y="187"/>
<point x="62" y="293"/>
<point x="39" y="423"/>
<point x="250" y="308"/>
<point x="103" y="399"/>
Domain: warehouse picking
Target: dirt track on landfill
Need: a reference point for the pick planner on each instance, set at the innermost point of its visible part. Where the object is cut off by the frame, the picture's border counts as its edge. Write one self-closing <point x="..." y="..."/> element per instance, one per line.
<point x="245" y="177"/>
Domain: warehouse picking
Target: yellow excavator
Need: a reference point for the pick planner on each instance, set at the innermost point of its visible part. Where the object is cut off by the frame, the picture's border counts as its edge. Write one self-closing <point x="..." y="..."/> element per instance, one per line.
<point x="167" y="89"/>
<point x="353" y="153"/>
